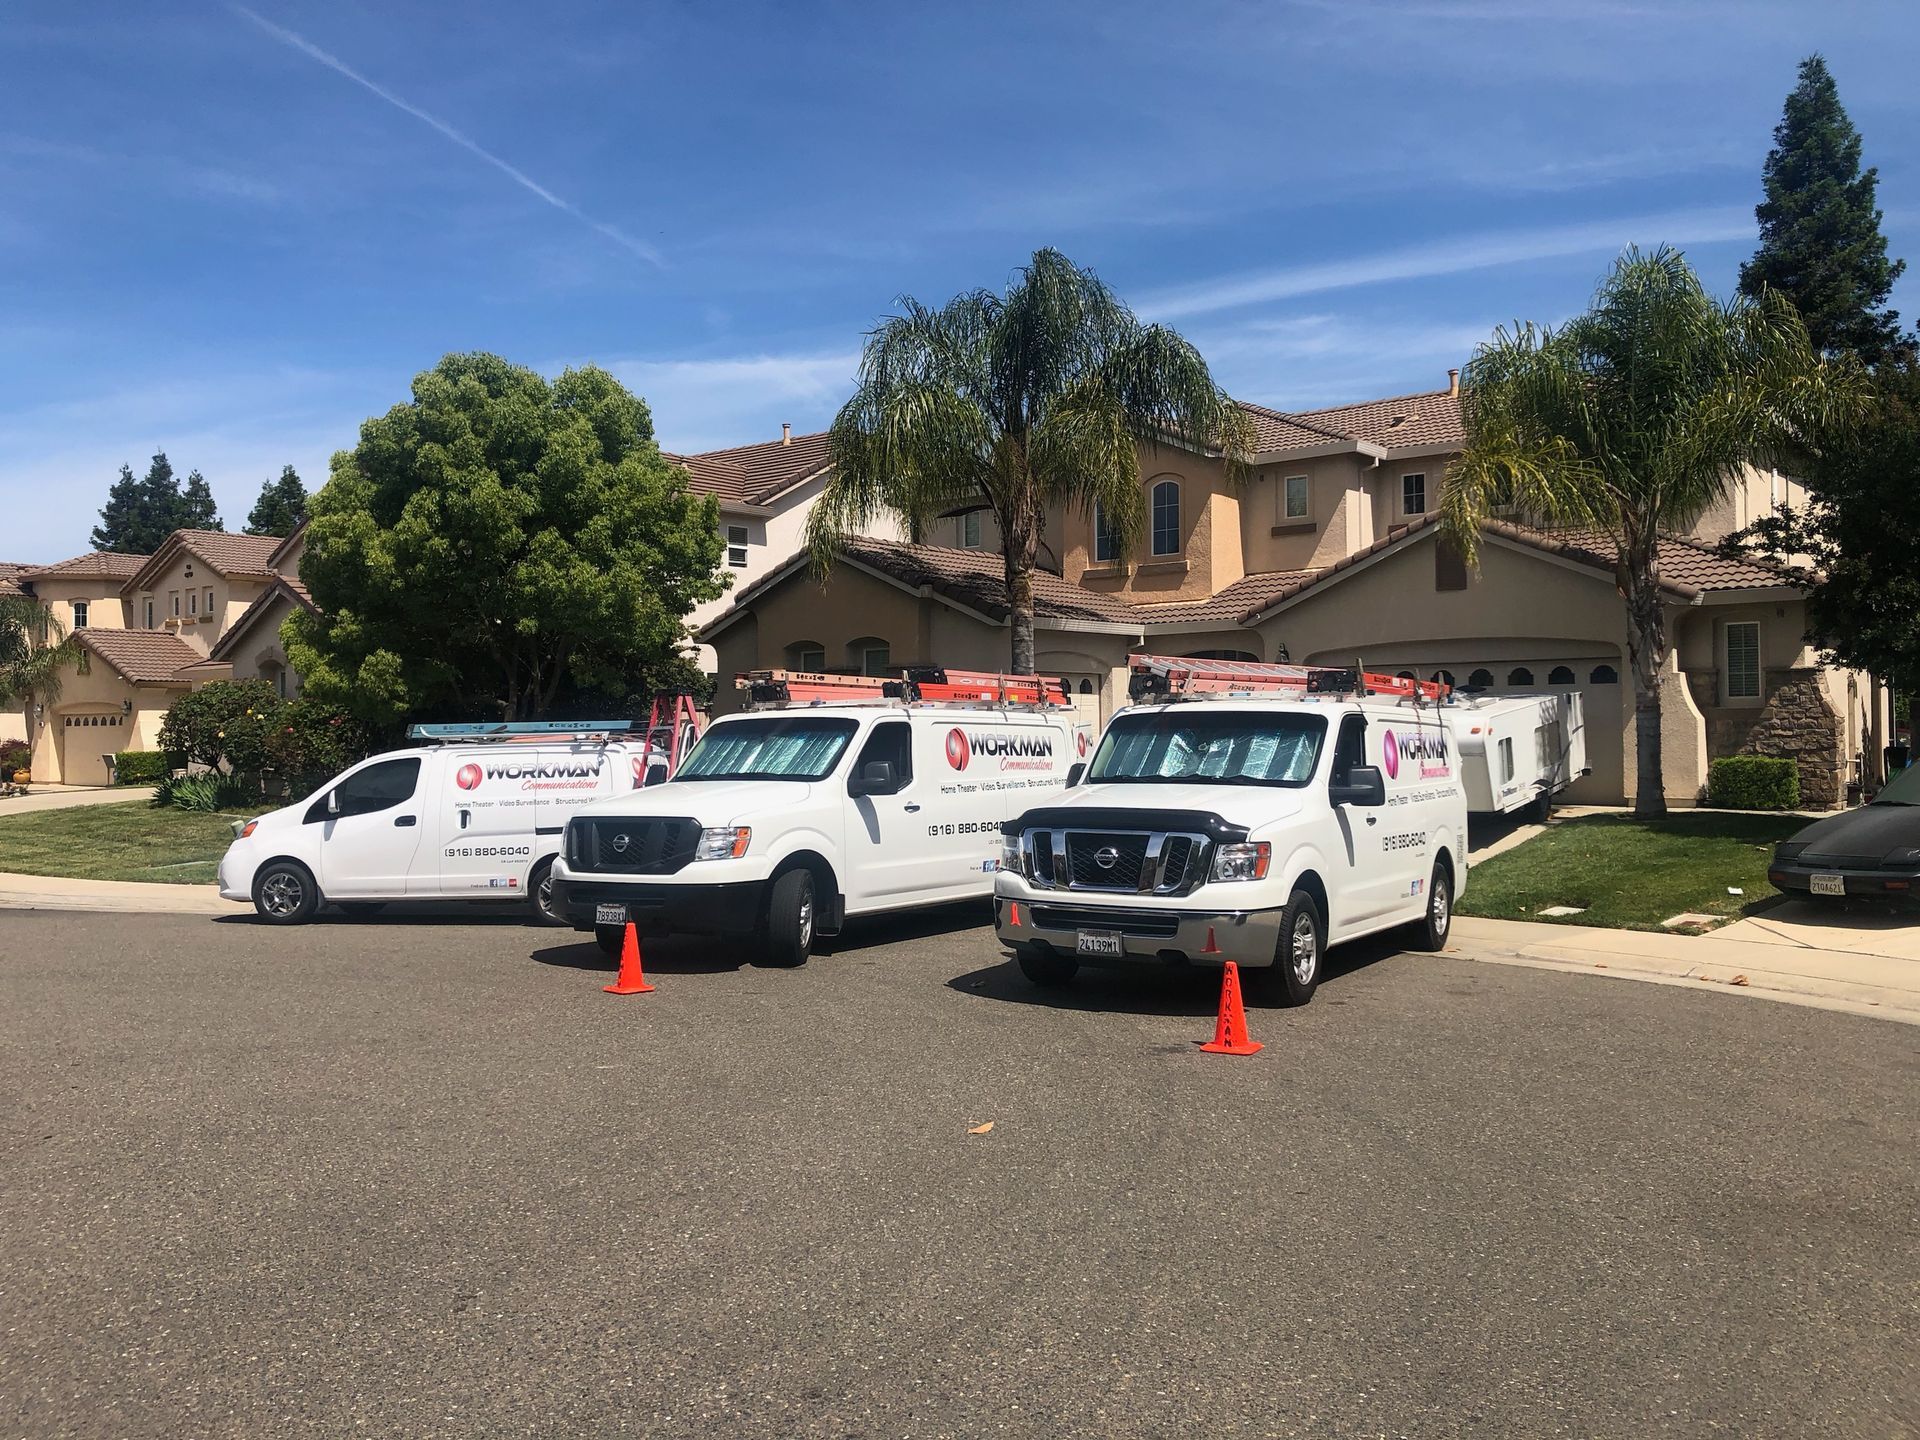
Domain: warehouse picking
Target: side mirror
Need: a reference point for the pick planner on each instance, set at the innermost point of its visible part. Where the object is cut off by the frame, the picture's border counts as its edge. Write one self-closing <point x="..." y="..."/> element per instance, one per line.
<point x="333" y="802"/>
<point x="1365" y="785"/>
<point x="1076" y="774"/>
<point x="875" y="778"/>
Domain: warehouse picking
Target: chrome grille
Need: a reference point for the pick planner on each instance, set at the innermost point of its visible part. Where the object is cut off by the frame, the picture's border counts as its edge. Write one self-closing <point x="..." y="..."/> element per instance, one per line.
<point x="1131" y="862"/>
<point x="651" y="845"/>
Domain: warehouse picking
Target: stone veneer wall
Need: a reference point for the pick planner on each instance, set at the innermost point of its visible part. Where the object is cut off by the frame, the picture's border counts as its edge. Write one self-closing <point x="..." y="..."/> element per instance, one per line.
<point x="1798" y="722"/>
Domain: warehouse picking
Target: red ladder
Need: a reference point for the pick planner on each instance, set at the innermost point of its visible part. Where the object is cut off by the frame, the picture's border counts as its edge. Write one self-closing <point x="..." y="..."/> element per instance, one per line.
<point x="672" y="727"/>
<point x="1159" y="675"/>
<point x="927" y="683"/>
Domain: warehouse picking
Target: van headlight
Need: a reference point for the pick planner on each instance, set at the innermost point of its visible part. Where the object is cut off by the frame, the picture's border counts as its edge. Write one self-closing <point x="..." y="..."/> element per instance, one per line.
<point x="1242" y="862"/>
<point x="1010" y="855"/>
<point x="726" y="843"/>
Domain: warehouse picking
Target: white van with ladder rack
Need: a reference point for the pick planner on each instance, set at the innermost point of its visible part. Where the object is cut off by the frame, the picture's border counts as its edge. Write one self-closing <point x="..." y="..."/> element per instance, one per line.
<point x="832" y="796"/>
<point x="1245" y="812"/>
<point x="474" y="812"/>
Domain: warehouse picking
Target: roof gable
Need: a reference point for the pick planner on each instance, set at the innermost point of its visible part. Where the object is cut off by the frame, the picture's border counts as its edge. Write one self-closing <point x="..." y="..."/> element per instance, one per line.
<point x="231" y="557"/>
<point x="756" y="474"/>
<point x="284" y="588"/>
<point x="141" y="657"/>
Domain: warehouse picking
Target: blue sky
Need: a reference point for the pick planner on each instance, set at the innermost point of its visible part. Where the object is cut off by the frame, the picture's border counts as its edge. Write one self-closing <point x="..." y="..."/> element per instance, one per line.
<point x="234" y="233"/>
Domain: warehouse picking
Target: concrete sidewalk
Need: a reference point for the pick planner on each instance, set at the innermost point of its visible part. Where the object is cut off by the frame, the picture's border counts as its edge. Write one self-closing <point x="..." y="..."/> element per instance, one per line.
<point x="68" y="797"/>
<point x="1747" y="958"/>
<point x="52" y="892"/>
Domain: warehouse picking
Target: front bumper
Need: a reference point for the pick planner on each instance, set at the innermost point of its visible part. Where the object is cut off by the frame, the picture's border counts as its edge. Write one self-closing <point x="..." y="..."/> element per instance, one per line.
<point x="1148" y="934"/>
<point x="1795" y="877"/>
<point x="658" y="909"/>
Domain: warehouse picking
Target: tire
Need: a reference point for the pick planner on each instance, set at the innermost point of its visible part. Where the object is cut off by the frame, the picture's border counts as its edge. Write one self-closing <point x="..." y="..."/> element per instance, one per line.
<point x="284" y="893"/>
<point x="611" y="939"/>
<point x="1298" y="957"/>
<point x="790" y="918"/>
<point x="540" y="896"/>
<point x="1044" y="968"/>
<point x="1438" y="924"/>
<point x="1539" y="810"/>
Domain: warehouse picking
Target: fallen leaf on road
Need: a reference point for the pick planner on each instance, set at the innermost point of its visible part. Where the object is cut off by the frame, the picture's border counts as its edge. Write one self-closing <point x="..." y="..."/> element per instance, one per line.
<point x="980" y="1129"/>
<point x="1739" y="980"/>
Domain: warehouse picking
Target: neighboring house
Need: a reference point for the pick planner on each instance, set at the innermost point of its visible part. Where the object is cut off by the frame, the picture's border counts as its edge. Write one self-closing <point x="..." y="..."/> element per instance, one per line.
<point x="765" y="492"/>
<point x="150" y="628"/>
<point x="1329" y="555"/>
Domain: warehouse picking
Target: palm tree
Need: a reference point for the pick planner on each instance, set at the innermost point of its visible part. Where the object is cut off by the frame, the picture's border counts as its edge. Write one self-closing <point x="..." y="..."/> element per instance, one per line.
<point x="1018" y="403"/>
<point x="33" y="651"/>
<point x="1633" y="418"/>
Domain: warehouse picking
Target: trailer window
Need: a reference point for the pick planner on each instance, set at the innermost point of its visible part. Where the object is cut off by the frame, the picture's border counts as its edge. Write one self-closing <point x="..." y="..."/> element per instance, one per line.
<point x="773" y="747"/>
<point x="1180" y="746"/>
<point x="1506" y="760"/>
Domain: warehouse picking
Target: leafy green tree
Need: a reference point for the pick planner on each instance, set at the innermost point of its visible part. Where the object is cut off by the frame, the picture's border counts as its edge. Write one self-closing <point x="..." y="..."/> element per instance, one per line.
<point x="1022" y="402"/>
<point x="281" y="506"/>
<point x="1634" y="417"/>
<point x="1820" y="239"/>
<point x="495" y="539"/>
<point x="226" y="725"/>
<point x="197" y="510"/>
<point x="34" y="654"/>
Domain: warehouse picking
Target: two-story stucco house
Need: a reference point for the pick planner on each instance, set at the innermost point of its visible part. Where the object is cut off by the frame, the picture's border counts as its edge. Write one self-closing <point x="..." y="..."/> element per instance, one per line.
<point x="1330" y="553"/>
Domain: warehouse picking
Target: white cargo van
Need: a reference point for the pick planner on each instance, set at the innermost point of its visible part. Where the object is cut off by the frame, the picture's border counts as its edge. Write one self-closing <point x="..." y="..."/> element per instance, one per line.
<point x="476" y="818"/>
<point x="1518" y="751"/>
<point x="1245" y="812"/>
<point x="838" y="796"/>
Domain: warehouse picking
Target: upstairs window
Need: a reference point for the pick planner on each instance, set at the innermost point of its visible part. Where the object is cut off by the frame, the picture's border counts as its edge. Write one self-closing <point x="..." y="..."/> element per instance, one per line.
<point x="970" y="530"/>
<point x="174" y="595"/>
<point x="808" y="655"/>
<point x="209" y="609"/>
<point x="1413" y="494"/>
<point x="873" y="655"/>
<point x="737" y="546"/>
<point x="1106" y="540"/>
<point x="1743" y="660"/>
<point x="193" y="602"/>
<point x="149" y="604"/>
<point x="80" y="608"/>
<point x="1296" y="498"/>
<point x="1166" y="518"/>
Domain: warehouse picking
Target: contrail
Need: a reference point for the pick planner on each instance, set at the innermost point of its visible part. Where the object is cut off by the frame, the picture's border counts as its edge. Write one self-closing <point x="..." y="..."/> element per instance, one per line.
<point x="519" y="177"/>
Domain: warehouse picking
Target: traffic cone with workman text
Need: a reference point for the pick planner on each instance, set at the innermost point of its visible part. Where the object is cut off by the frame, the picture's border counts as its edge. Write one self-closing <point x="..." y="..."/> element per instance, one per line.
<point x="633" y="980"/>
<point x="1230" y="1030"/>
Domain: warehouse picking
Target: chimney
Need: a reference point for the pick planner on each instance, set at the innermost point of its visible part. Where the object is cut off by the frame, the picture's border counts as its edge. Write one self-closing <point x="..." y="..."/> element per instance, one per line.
<point x="1453" y="382"/>
<point x="786" y="430"/>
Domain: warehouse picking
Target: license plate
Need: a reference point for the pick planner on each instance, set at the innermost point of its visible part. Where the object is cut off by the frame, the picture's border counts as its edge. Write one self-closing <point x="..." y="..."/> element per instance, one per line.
<point x="1829" y="884"/>
<point x="609" y="914"/>
<point x="1099" y="942"/>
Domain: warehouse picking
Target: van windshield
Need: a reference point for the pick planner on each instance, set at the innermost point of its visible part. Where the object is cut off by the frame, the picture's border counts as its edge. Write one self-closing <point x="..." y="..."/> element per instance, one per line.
<point x="770" y="747"/>
<point x="1183" y="746"/>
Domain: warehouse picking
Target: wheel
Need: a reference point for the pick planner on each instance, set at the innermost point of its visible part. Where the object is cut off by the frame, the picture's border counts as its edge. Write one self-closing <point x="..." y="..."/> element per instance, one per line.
<point x="610" y="938"/>
<point x="1295" y="971"/>
<point x="790" y="919"/>
<point x="1048" y="969"/>
<point x="1439" y="922"/>
<point x="540" y="893"/>
<point x="284" y="893"/>
<point x="1540" y="809"/>
<point x="361" y="907"/>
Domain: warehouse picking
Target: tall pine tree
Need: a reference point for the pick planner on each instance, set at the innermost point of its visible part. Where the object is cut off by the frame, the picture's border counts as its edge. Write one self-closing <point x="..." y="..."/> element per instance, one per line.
<point x="196" y="510"/>
<point x="281" y="507"/>
<point x="120" y="516"/>
<point x="1820" y="240"/>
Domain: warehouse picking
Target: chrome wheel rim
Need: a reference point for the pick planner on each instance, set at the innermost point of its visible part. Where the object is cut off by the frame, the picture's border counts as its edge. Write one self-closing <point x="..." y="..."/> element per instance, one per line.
<point x="806" y="918"/>
<point x="1442" y="906"/>
<point x="543" y="895"/>
<point x="281" y="893"/>
<point x="1305" y="949"/>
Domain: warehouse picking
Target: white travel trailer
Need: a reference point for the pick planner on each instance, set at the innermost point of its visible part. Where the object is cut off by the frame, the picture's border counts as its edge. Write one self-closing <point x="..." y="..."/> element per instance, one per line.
<point x="1519" y="751"/>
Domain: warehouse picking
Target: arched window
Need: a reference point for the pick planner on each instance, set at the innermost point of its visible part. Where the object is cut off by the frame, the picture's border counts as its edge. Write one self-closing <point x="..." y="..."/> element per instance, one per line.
<point x="808" y="655"/>
<point x="1560" y="675"/>
<point x="1106" y="542"/>
<point x="870" y="655"/>
<point x="1405" y="675"/>
<point x="1443" y="677"/>
<point x="1220" y="655"/>
<point x="1519" y="675"/>
<point x="1166" y="518"/>
<point x="1086" y="687"/>
<point x="1604" y="675"/>
<point x="1480" y="679"/>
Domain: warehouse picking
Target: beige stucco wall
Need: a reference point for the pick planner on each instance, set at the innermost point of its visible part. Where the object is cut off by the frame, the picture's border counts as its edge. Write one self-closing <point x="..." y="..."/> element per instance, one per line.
<point x="1387" y="490"/>
<point x="189" y="579"/>
<point x="1209" y="557"/>
<point x="69" y="754"/>
<point x="102" y="596"/>
<point x="260" y="655"/>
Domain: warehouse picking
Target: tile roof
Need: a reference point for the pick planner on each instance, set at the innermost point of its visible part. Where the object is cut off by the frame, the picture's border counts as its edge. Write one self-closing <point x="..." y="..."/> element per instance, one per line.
<point x="1276" y="430"/>
<point x="976" y="579"/>
<point x="106" y="564"/>
<point x="755" y="474"/>
<point x="233" y="557"/>
<point x="145" y="657"/>
<point x="10" y="573"/>
<point x="282" y="588"/>
<point x="1400" y="421"/>
<point x="1254" y="592"/>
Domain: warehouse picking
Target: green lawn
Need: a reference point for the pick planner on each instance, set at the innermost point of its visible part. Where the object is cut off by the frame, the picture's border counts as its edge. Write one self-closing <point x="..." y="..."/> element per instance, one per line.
<point x="115" y="842"/>
<point x="1629" y="874"/>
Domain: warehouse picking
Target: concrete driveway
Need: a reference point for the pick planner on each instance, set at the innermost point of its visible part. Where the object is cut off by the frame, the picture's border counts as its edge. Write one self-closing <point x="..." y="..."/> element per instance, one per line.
<point x="1853" y="927"/>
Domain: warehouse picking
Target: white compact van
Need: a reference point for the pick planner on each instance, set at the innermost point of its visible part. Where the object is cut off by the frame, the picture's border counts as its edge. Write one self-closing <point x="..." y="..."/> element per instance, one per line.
<point x="458" y="821"/>
<point x="784" y="822"/>
<point x="1259" y="822"/>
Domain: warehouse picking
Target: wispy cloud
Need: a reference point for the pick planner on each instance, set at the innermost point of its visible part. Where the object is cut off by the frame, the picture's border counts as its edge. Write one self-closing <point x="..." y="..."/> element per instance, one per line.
<point x="1448" y="257"/>
<point x="306" y="47"/>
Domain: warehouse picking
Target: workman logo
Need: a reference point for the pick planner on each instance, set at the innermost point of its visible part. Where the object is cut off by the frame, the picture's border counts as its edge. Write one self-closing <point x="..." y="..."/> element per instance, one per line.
<point x="957" y="751"/>
<point x="1080" y="743"/>
<point x="1016" y="751"/>
<point x="537" y="775"/>
<point x="1428" y="748"/>
<point x="468" y="778"/>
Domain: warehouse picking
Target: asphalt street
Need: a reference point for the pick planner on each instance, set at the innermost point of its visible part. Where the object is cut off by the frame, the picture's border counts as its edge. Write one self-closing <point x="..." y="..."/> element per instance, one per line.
<point x="419" y="1177"/>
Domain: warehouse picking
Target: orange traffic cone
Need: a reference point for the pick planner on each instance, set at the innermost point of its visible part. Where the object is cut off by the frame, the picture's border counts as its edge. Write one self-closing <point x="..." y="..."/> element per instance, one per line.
<point x="1230" y="1030"/>
<point x="633" y="980"/>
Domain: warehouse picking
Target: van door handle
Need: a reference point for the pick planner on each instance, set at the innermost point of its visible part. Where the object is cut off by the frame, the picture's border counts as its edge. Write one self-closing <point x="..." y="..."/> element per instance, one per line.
<point x="465" y="816"/>
<point x="1373" y="819"/>
<point x="913" y="807"/>
<point x="406" y="819"/>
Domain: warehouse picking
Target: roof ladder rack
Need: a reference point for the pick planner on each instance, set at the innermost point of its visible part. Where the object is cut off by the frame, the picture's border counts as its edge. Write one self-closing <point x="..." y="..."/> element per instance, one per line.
<point x="1160" y="677"/>
<point x="523" y="731"/>
<point x="921" y="684"/>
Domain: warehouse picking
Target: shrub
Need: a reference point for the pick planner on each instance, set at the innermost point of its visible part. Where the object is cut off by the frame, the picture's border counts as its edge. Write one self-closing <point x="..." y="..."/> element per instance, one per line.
<point x="1754" y="782"/>
<point x="224" y="726"/>
<point x="206" y="792"/>
<point x="14" y="755"/>
<point x="140" y="767"/>
<point x="312" y="742"/>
